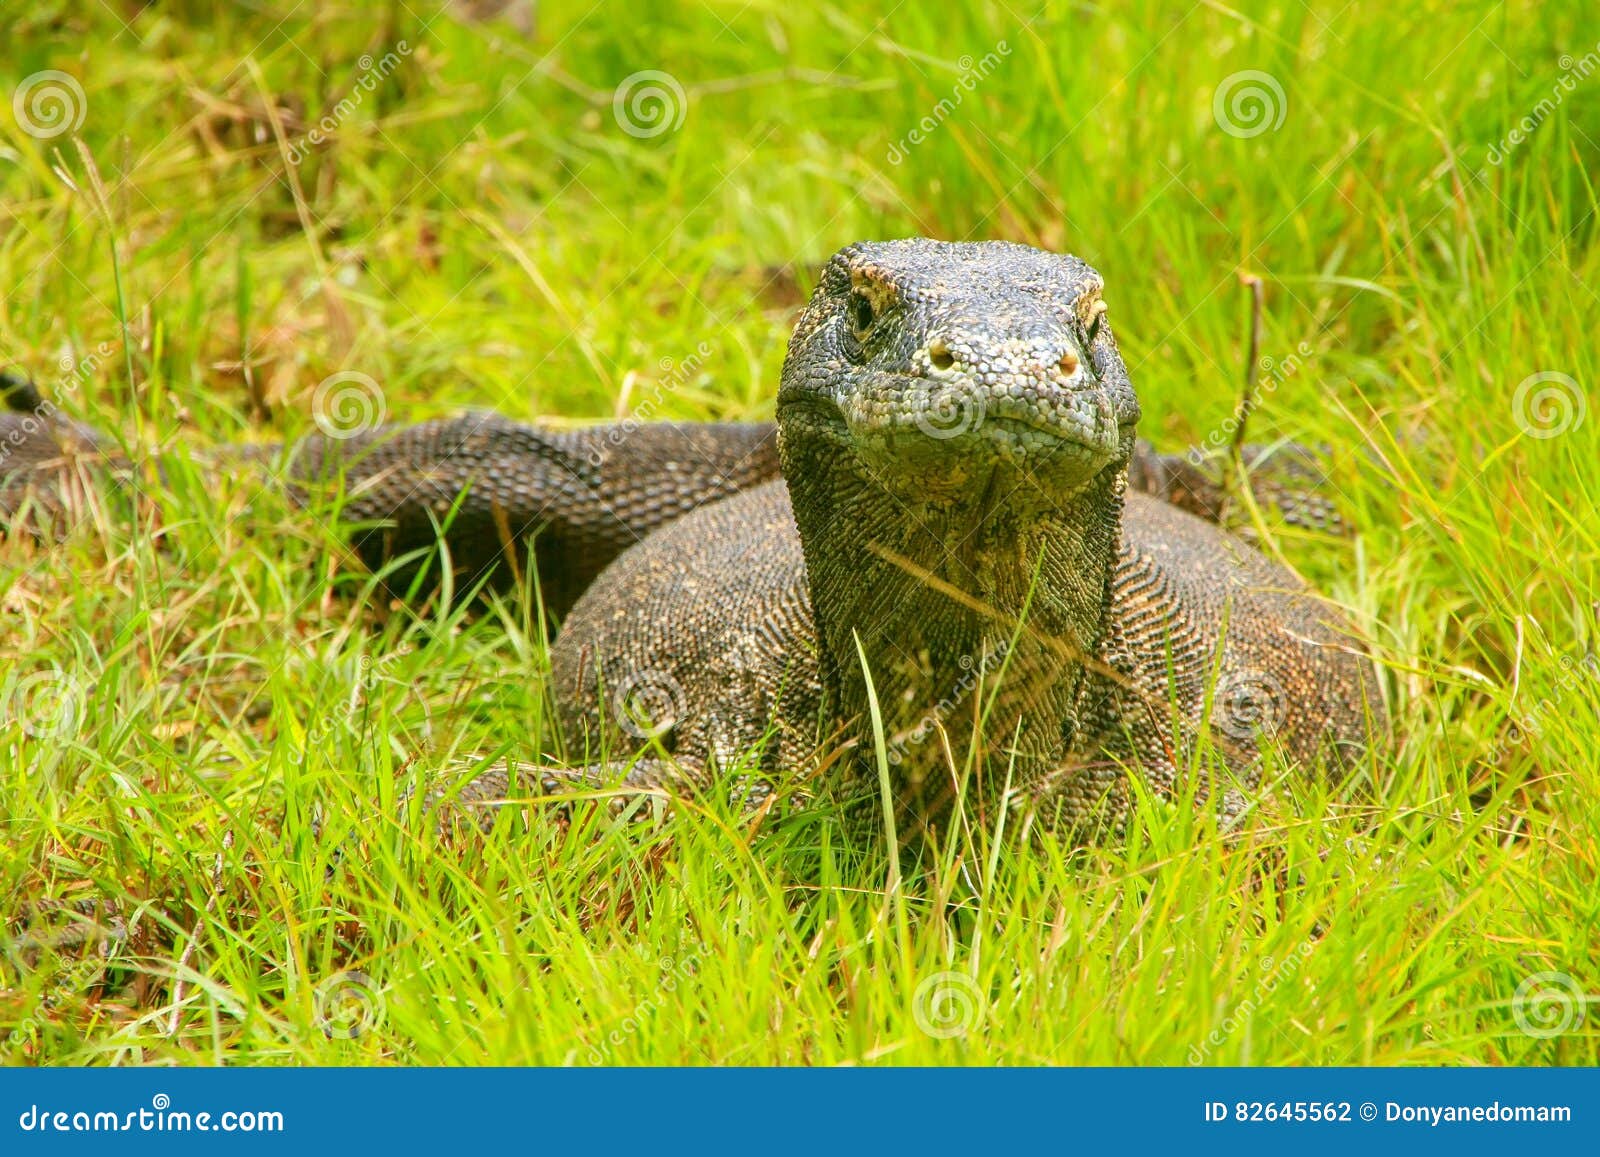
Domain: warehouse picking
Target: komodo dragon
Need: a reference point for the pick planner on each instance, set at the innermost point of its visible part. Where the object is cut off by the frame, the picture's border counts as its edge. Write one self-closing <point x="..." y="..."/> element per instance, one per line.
<point x="953" y="539"/>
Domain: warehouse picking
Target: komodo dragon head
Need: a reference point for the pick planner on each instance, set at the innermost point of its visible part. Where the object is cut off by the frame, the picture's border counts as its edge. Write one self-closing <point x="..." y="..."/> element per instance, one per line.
<point x="955" y="424"/>
<point x="947" y="369"/>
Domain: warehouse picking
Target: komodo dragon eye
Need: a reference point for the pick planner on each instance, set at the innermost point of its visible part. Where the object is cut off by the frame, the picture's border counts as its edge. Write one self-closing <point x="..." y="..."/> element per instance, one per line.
<point x="1091" y="308"/>
<point x="862" y="315"/>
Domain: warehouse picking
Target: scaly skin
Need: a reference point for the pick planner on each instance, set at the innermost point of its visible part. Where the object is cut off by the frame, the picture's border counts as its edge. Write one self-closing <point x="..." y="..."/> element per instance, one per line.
<point x="574" y="494"/>
<point x="955" y="433"/>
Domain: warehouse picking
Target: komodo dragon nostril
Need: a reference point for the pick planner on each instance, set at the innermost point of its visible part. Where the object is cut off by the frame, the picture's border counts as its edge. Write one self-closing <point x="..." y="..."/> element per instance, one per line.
<point x="939" y="354"/>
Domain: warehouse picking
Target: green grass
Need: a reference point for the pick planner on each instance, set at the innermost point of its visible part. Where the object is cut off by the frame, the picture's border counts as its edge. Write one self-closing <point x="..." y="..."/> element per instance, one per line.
<point x="480" y="232"/>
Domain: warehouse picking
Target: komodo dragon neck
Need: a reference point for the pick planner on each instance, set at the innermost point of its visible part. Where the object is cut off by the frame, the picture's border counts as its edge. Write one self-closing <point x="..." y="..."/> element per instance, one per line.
<point x="956" y="453"/>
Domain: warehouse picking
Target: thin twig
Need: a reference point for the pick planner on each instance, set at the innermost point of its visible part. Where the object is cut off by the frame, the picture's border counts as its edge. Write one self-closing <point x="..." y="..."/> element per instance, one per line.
<point x="1252" y="365"/>
<point x="179" y="985"/>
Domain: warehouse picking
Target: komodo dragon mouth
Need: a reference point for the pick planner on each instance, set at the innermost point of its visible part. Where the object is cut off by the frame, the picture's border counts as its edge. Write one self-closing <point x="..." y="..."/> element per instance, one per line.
<point x="959" y="429"/>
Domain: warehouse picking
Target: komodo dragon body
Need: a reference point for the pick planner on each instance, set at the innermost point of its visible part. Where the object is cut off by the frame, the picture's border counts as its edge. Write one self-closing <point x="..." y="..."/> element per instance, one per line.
<point x="951" y="579"/>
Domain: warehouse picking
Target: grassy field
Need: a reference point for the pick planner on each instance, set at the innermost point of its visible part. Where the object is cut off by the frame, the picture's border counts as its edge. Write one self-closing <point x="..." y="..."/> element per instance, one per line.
<point x="207" y="213"/>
